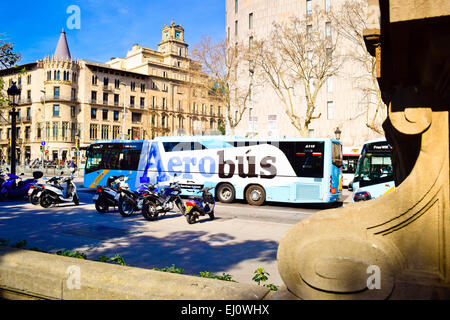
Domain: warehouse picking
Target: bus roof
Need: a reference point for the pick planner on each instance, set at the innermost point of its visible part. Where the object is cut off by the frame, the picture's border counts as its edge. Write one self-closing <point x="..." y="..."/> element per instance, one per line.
<point x="235" y="138"/>
<point x="375" y="140"/>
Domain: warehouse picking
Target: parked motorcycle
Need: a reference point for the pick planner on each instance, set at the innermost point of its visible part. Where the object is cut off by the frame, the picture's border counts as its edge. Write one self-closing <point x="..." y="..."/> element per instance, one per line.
<point x="56" y="194"/>
<point x="132" y="201"/>
<point x="109" y="196"/>
<point x="163" y="201"/>
<point x="37" y="188"/>
<point x="15" y="187"/>
<point x="200" y="206"/>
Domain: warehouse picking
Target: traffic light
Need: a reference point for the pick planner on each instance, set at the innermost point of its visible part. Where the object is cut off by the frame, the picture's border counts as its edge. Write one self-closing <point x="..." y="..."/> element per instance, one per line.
<point x="42" y="148"/>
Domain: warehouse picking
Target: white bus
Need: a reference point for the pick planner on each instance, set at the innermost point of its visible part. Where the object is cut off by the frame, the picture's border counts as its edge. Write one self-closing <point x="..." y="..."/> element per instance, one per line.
<point x="282" y="170"/>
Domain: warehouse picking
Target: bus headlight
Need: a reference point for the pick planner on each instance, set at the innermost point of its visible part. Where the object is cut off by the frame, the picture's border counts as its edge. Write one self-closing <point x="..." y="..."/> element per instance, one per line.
<point x="362" y="196"/>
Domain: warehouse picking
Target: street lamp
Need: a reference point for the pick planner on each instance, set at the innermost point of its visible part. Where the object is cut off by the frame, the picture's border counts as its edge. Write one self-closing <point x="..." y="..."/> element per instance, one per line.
<point x="13" y="98"/>
<point x="337" y="133"/>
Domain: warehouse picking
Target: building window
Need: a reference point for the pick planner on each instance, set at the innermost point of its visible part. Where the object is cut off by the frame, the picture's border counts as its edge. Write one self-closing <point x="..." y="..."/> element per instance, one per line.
<point x="308" y="6"/>
<point x="105" y="132"/>
<point x="250" y="21"/>
<point x="116" y="132"/>
<point x="328" y="29"/>
<point x="330" y="84"/>
<point x="132" y="101"/>
<point x="65" y="128"/>
<point x="93" y="132"/>
<point x="327" y="5"/>
<point x="56" y="92"/>
<point x="55" y="130"/>
<point x="164" y="103"/>
<point x="29" y="79"/>
<point x="133" y="86"/>
<point x="49" y="75"/>
<point x="73" y="94"/>
<point x="74" y="76"/>
<point x="56" y="110"/>
<point x="93" y="113"/>
<point x="330" y="111"/>
<point x="153" y="102"/>
<point x="143" y="87"/>
<point x="116" y="83"/>
<point x="116" y="115"/>
<point x="116" y="100"/>
<point x="142" y="102"/>
<point x="105" y="114"/>
<point x="236" y="7"/>
<point x="105" y="82"/>
<point x="105" y="98"/>
<point x="136" y="117"/>
<point x="94" y="80"/>
<point x="72" y="111"/>
<point x="94" y="96"/>
<point x="236" y="28"/>
<point x="309" y="32"/>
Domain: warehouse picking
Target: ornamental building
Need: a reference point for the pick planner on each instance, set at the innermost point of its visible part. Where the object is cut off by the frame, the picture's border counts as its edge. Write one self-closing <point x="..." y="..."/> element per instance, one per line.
<point x="67" y="103"/>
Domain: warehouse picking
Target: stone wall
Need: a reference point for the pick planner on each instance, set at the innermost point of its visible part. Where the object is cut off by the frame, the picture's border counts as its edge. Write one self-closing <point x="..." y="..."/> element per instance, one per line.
<point x="36" y="275"/>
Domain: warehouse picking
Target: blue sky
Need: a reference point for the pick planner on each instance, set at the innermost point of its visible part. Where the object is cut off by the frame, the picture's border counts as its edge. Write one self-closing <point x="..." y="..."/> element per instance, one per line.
<point x="109" y="28"/>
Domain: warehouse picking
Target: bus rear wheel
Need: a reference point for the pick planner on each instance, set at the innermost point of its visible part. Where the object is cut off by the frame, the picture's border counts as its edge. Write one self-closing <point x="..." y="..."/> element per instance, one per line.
<point x="255" y="195"/>
<point x="226" y="193"/>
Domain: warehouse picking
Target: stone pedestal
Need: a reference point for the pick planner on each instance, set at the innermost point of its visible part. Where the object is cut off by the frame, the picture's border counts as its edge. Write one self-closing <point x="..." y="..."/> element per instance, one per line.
<point x="396" y="246"/>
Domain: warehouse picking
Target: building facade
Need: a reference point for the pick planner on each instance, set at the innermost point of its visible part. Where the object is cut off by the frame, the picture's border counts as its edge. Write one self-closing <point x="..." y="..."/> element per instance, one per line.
<point x="67" y="104"/>
<point x="341" y="102"/>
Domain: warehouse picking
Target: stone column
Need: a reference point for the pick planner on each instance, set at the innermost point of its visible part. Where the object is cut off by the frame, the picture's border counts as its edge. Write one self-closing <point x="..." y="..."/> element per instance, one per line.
<point x="396" y="246"/>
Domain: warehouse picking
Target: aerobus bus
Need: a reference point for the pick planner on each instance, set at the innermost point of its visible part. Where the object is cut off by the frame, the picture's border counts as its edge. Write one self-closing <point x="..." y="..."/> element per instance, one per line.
<point x="350" y="162"/>
<point x="374" y="174"/>
<point x="280" y="170"/>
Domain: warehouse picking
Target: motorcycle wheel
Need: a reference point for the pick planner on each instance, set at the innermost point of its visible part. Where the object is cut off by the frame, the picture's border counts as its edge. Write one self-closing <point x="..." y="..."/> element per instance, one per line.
<point x="101" y="206"/>
<point x="45" y="201"/>
<point x="192" y="217"/>
<point x="149" y="211"/>
<point x="34" y="200"/>
<point x="76" y="200"/>
<point x="181" y="207"/>
<point x="126" y="207"/>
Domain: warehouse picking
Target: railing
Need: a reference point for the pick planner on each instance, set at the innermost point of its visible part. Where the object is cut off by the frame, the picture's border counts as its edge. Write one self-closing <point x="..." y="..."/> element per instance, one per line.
<point x="49" y="170"/>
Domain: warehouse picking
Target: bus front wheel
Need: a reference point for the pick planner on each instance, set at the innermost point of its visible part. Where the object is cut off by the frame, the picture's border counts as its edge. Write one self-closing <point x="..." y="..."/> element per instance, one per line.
<point x="255" y="195"/>
<point x="226" y="193"/>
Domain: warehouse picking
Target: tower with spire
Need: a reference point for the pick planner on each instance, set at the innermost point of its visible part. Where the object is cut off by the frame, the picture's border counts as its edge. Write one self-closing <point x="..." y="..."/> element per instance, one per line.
<point x="62" y="51"/>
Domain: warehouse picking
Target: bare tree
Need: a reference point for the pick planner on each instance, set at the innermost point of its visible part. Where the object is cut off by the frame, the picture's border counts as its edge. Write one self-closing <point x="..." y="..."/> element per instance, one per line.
<point x="350" y="22"/>
<point x="224" y="65"/>
<point x="300" y="54"/>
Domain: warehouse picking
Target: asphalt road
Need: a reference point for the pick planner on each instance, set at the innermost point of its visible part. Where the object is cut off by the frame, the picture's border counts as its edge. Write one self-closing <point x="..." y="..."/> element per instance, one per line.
<point x="239" y="240"/>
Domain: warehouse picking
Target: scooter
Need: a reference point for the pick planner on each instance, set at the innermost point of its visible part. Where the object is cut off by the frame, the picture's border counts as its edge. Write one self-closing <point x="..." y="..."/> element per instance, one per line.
<point x="163" y="201"/>
<point x="132" y="201"/>
<point x="37" y="188"/>
<point x="56" y="194"/>
<point x="109" y="196"/>
<point x="12" y="189"/>
<point x="200" y="206"/>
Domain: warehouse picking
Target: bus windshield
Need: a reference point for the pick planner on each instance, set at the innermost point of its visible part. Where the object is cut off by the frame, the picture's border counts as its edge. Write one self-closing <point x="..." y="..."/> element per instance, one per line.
<point x="375" y="165"/>
<point x="350" y="164"/>
<point x="113" y="156"/>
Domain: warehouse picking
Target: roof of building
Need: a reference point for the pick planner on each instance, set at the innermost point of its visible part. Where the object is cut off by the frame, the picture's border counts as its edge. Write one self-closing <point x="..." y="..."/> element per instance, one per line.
<point x="62" y="51"/>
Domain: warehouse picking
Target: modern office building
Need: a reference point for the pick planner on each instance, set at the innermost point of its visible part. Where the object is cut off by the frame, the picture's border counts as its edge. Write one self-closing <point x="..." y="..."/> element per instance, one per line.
<point x="69" y="103"/>
<point x="341" y="102"/>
